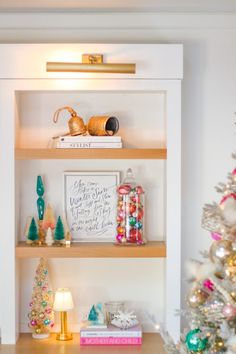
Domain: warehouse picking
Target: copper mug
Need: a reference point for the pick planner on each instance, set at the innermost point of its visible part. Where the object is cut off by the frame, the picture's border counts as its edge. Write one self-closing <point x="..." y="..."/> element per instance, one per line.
<point x="103" y="125"/>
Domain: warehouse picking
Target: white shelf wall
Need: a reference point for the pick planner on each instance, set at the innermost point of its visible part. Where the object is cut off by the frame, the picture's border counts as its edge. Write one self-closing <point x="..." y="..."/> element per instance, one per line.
<point x="153" y="79"/>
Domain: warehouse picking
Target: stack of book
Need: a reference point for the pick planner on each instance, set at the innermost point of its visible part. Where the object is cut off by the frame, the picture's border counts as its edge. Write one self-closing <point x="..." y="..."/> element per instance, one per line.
<point x="89" y="142"/>
<point x="111" y="336"/>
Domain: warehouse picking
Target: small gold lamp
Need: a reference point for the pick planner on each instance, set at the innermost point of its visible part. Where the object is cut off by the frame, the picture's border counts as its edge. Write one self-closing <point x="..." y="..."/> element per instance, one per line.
<point x="63" y="302"/>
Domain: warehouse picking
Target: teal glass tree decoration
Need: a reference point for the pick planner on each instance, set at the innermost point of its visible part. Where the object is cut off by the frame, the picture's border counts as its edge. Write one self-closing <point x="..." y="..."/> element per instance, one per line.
<point x="40" y="201"/>
<point x="93" y="315"/>
<point x="59" y="234"/>
<point x="33" y="232"/>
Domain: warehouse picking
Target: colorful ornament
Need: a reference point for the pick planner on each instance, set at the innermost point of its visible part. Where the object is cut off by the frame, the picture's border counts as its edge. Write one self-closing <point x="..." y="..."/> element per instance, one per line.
<point x="132" y="221"/>
<point x="208" y="285"/>
<point x="40" y="317"/>
<point x="220" y="250"/>
<point x="228" y="206"/>
<point x="216" y="236"/>
<point x="197" y="297"/>
<point x="218" y="346"/>
<point x="130" y="211"/>
<point x="229" y="311"/>
<point x="194" y="342"/>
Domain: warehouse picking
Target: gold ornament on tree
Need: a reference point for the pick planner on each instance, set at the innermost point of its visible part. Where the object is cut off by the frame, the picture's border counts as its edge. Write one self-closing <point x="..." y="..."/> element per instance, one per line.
<point x="220" y="250"/>
<point x="197" y="297"/>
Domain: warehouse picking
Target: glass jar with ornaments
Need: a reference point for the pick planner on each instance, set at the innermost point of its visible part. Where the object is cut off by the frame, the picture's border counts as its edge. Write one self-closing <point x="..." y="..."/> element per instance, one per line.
<point x="130" y="212"/>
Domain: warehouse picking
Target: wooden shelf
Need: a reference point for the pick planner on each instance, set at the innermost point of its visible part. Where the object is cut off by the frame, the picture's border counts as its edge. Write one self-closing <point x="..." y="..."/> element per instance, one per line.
<point x="152" y="343"/>
<point x="153" y="249"/>
<point x="34" y="154"/>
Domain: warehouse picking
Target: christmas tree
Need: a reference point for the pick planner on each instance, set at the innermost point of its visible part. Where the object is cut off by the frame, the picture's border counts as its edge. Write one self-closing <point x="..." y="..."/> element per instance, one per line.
<point x="212" y="297"/>
<point x="49" y="219"/>
<point x="33" y="231"/>
<point x="59" y="231"/>
<point x="41" y="315"/>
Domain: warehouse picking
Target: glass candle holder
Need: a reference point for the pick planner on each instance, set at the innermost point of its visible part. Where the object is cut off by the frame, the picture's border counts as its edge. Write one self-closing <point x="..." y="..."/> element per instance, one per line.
<point x="130" y="212"/>
<point x="112" y="308"/>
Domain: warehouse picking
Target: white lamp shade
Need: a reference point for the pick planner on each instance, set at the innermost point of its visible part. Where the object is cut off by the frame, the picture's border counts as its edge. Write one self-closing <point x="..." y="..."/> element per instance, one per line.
<point x="63" y="300"/>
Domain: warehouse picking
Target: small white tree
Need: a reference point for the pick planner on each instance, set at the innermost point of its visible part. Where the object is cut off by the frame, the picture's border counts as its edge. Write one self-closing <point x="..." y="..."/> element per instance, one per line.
<point x="49" y="238"/>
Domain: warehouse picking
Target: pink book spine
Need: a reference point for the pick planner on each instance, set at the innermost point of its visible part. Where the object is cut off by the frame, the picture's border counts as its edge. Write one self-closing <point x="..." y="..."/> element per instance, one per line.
<point x="110" y="341"/>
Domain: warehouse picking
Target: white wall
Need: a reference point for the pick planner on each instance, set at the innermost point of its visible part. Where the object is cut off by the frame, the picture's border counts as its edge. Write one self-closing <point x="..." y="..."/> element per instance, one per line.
<point x="209" y="88"/>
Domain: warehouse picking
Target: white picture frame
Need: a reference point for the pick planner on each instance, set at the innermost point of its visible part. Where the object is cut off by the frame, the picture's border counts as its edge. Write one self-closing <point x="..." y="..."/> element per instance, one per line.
<point x="90" y="204"/>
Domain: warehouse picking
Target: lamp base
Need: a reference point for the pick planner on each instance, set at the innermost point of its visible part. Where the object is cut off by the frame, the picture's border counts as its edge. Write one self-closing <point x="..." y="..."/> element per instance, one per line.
<point x="64" y="336"/>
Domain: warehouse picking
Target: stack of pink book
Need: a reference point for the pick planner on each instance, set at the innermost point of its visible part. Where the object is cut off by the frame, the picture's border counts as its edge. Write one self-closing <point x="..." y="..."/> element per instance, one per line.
<point x="111" y="336"/>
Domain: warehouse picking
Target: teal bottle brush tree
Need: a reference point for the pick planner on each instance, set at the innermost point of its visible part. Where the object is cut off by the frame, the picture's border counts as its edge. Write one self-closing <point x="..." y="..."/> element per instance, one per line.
<point x="59" y="235"/>
<point x="40" y="207"/>
<point x="33" y="232"/>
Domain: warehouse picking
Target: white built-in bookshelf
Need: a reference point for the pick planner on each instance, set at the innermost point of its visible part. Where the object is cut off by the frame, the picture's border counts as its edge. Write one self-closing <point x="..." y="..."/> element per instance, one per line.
<point x="148" y="105"/>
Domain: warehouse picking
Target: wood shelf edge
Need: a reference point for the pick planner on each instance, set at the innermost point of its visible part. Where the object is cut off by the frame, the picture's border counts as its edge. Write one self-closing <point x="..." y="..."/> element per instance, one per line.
<point x="153" y="249"/>
<point x="31" y="154"/>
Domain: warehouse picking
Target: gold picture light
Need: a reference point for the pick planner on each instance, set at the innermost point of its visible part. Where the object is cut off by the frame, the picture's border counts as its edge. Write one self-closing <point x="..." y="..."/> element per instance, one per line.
<point x="91" y="63"/>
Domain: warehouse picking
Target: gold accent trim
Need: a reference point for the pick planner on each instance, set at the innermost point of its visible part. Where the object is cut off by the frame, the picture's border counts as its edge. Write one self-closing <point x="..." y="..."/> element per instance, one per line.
<point x="91" y="63"/>
<point x="64" y="334"/>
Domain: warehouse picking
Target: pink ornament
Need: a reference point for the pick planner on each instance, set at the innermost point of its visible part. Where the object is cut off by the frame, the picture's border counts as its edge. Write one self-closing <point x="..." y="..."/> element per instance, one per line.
<point x="31" y="304"/>
<point x="121" y="214"/>
<point x="44" y="288"/>
<point x="119" y="219"/>
<point x="216" y="236"/>
<point x="124" y="189"/>
<point x="119" y="238"/>
<point x="33" y="323"/>
<point x="139" y="190"/>
<point x="52" y="324"/>
<point x="208" y="284"/>
<point x="48" y="311"/>
<point x="229" y="311"/>
<point x="231" y="195"/>
<point x="234" y="172"/>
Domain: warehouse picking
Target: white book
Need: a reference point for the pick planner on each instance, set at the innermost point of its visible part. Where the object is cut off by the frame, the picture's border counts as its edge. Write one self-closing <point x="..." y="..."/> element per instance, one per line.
<point x="67" y="145"/>
<point x="89" y="139"/>
<point x="134" y="332"/>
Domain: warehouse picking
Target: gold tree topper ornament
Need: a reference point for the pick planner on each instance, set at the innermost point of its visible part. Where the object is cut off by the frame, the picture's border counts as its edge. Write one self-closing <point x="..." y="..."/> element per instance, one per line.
<point x="75" y="123"/>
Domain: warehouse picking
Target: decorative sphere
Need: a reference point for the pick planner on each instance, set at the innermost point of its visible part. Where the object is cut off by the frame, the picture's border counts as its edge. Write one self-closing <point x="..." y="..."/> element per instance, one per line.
<point x="39" y="283"/>
<point x="132" y="208"/>
<point x="38" y="330"/>
<point x="139" y="190"/>
<point x="120" y="203"/>
<point x="41" y="315"/>
<point x="197" y="297"/>
<point x="219" y="345"/>
<point x="124" y="189"/>
<point x="233" y="295"/>
<point x="123" y="240"/>
<point x="132" y="221"/>
<point x="44" y="303"/>
<point x="33" y="323"/>
<point x="140" y="214"/>
<point x="208" y="285"/>
<point x="46" y="322"/>
<point x="231" y="264"/>
<point x="216" y="236"/>
<point x="193" y="341"/>
<point x="48" y="311"/>
<point x="119" y="219"/>
<point x="138" y="225"/>
<point x="220" y="250"/>
<point x="119" y="238"/>
<point x="121" y="214"/>
<point x="33" y="313"/>
<point x="120" y="230"/>
<point x="229" y="311"/>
